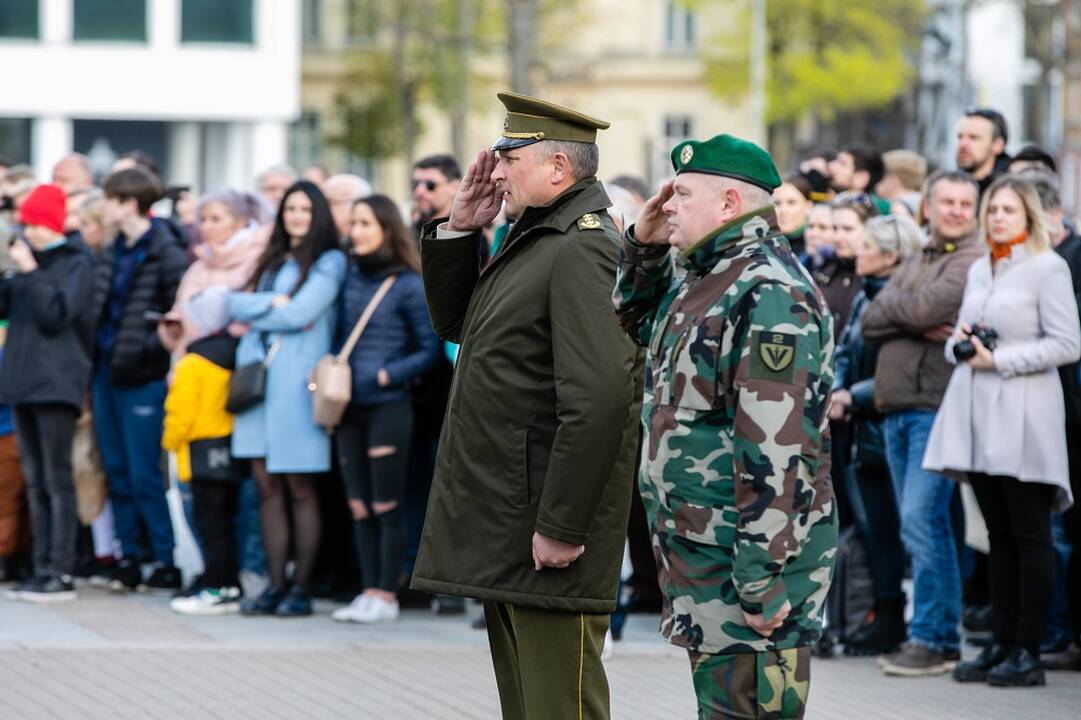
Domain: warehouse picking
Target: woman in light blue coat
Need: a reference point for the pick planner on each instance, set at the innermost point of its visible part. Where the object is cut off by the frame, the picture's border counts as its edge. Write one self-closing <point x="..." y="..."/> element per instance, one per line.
<point x="291" y="313"/>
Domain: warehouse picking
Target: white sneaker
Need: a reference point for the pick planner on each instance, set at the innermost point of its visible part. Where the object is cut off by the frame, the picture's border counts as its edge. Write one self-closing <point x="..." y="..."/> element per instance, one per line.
<point x="380" y="611"/>
<point x="606" y="651"/>
<point x="354" y="611"/>
<point x="211" y="601"/>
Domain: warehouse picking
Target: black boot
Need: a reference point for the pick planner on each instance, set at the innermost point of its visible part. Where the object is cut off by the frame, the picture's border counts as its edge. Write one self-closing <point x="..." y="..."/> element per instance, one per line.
<point x="1020" y="669"/>
<point x="882" y="632"/>
<point x="978" y="669"/>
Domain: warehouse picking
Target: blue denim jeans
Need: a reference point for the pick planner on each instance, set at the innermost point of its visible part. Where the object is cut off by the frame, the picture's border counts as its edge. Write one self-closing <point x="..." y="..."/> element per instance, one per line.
<point x="249" y="530"/>
<point x="128" y="421"/>
<point x="924" y="499"/>
<point x="1058" y="621"/>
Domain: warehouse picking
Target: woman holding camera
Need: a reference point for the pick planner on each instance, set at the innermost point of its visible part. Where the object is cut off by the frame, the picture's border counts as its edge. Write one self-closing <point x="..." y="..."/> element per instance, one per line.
<point x="1002" y="420"/>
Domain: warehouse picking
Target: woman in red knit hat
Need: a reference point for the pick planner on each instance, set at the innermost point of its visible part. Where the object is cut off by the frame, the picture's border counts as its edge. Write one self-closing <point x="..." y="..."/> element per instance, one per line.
<point x="44" y="376"/>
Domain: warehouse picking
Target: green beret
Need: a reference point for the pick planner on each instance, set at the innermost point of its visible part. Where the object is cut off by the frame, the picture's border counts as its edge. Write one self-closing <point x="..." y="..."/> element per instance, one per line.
<point x="530" y="120"/>
<point x="728" y="156"/>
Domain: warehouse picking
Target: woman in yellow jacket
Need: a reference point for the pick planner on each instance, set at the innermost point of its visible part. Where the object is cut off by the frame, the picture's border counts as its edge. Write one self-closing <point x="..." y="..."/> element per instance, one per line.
<point x="198" y="429"/>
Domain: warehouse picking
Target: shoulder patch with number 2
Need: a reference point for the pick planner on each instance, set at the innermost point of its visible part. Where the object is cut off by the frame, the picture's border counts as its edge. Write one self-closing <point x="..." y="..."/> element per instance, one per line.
<point x="773" y="356"/>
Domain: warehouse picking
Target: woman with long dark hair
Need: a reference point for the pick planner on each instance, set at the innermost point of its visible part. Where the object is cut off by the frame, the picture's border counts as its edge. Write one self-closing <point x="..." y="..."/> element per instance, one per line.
<point x="291" y="308"/>
<point x="396" y="347"/>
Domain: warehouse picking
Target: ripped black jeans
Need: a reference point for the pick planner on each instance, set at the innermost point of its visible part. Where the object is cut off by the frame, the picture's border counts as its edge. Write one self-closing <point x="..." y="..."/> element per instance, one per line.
<point x="373" y="454"/>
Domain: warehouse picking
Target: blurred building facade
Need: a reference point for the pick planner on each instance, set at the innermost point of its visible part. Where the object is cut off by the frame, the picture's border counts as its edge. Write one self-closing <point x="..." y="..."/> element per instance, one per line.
<point x="209" y="87"/>
<point x="636" y="64"/>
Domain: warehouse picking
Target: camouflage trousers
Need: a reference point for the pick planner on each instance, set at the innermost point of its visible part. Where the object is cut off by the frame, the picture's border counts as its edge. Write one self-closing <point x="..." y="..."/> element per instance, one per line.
<point x="756" y="686"/>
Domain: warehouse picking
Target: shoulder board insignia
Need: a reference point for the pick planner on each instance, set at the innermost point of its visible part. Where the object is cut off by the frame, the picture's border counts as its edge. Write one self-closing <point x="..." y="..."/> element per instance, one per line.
<point x="589" y="221"/>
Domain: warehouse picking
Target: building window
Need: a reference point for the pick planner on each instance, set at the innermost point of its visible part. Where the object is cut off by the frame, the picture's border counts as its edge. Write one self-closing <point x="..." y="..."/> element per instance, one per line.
<point x="677" y="128"/>
<point x="680" y="27"/>
<point x="306" y="140"/>
<point x="110" y="20"/>
<point x="19" y="19"/>
<point x="363" y="21"/>
<point x="215" y="21"/>
<point x="311" y="22"/>
<point x="15" y="134"/>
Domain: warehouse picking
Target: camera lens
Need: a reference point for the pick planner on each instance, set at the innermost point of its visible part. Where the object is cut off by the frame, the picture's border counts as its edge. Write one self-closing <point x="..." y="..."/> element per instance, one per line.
<point x="964" y="350"/>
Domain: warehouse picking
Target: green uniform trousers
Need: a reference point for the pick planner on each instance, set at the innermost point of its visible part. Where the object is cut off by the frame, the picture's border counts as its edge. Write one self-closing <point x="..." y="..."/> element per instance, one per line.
<point x="548" y="662"/>
<point x="755" y="686"/>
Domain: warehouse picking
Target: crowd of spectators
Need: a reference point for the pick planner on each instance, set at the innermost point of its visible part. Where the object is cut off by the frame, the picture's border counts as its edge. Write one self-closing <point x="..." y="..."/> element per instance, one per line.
<point x="193" y="324"/>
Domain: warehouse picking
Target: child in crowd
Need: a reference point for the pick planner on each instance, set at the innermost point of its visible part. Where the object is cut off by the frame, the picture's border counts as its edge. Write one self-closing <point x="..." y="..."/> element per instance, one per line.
<point x="198" y="429"/>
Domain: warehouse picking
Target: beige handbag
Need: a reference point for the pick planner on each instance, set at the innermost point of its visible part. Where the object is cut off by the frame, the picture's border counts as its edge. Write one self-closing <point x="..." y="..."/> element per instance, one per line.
<point x="87" y="471"/>
<point x="331" y="382"/>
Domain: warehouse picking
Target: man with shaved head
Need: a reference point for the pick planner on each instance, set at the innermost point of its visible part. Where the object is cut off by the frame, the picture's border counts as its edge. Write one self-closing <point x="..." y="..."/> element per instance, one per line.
<point x="735" y="469"/>
<point x="341" y="192"/>
<point x="73" y="173"/>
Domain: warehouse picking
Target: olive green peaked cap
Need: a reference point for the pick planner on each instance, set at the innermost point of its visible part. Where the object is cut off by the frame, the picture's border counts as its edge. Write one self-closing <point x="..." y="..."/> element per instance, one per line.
<point x="530" y="120"/>
<point x="728" y="156"/>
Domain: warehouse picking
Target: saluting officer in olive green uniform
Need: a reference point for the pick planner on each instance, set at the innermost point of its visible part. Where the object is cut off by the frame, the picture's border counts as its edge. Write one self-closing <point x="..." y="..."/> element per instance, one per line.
<point x="529" y="504"/>
<point x="735" y="472"/>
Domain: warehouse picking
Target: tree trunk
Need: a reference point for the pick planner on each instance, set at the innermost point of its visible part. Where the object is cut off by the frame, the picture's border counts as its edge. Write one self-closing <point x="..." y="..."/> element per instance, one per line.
<point x="459" y="110"/>
<point x="782" y="143"/>
<point x="521" y="43"/>
<point x="405" y="85"/>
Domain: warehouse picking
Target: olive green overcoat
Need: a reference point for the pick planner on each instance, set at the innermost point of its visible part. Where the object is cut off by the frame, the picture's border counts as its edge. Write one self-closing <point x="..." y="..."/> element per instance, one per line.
<point x="542" y="425"/>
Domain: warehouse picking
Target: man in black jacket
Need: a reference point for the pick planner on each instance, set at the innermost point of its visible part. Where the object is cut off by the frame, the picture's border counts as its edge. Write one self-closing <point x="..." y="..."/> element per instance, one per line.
<point x="135" y="283"/>
<point x="982" y="134"/>
<point x="44" y="377"/>
<point x="1067" y="244"/>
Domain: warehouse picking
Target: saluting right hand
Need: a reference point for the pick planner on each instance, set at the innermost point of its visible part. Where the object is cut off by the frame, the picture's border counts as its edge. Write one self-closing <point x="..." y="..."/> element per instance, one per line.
<point x="651" y="228"/>
<point x="478" y="200"/>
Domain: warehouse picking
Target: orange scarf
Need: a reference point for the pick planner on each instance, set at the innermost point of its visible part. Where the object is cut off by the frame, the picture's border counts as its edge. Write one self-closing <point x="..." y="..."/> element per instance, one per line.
<point x="1001" y="251"/>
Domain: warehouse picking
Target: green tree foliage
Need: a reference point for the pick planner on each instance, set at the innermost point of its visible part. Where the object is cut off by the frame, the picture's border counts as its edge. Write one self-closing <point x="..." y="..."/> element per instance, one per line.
<point x="822" y="56"/>
<point x="406" y="53"/>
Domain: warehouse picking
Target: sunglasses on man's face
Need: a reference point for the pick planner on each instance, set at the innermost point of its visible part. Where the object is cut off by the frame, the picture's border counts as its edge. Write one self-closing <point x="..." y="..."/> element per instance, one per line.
<point x="849" y="198"/>
<point x="431" y="185"/>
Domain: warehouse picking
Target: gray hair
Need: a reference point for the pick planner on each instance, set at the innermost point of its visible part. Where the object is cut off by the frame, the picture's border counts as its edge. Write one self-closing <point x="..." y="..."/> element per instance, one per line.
<point x="242" y="205"/>
<point x="955" y="176"/>
<point x="625" y="207"/>
<point x="1047" y="187"/>
<point x="358" y="186"/>
<point x="753" y="196"/>
<point x="281" y="169"/>
<point x="584" y="157"/>
<point x="895" y="233"/>
<point x="92" y="204"/>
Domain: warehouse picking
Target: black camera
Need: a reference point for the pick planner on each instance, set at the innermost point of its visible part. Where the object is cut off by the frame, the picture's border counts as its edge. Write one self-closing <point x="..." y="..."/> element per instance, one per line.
<point x="965" y="350"/>
<point x="173" y="192"/>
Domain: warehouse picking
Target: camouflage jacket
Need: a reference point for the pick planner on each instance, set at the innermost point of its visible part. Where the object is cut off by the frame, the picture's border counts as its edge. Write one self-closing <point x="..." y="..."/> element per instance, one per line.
<point x="735" y="472"/>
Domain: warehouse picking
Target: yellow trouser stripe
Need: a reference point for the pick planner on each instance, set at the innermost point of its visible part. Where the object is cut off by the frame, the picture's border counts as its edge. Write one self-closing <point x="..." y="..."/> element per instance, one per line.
<point x="581" y="660"/>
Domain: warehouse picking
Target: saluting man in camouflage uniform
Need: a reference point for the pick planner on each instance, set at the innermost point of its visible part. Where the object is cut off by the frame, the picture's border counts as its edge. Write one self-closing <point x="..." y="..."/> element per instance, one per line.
<point x="735" y="475"/>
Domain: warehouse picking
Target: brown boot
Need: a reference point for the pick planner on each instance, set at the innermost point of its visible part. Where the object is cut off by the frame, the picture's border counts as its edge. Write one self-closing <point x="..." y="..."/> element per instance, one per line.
<point x="914" y="660"/>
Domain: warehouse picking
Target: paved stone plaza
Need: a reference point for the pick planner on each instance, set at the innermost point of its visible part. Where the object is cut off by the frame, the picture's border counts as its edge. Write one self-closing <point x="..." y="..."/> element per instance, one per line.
<point x="109" y="656"/>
